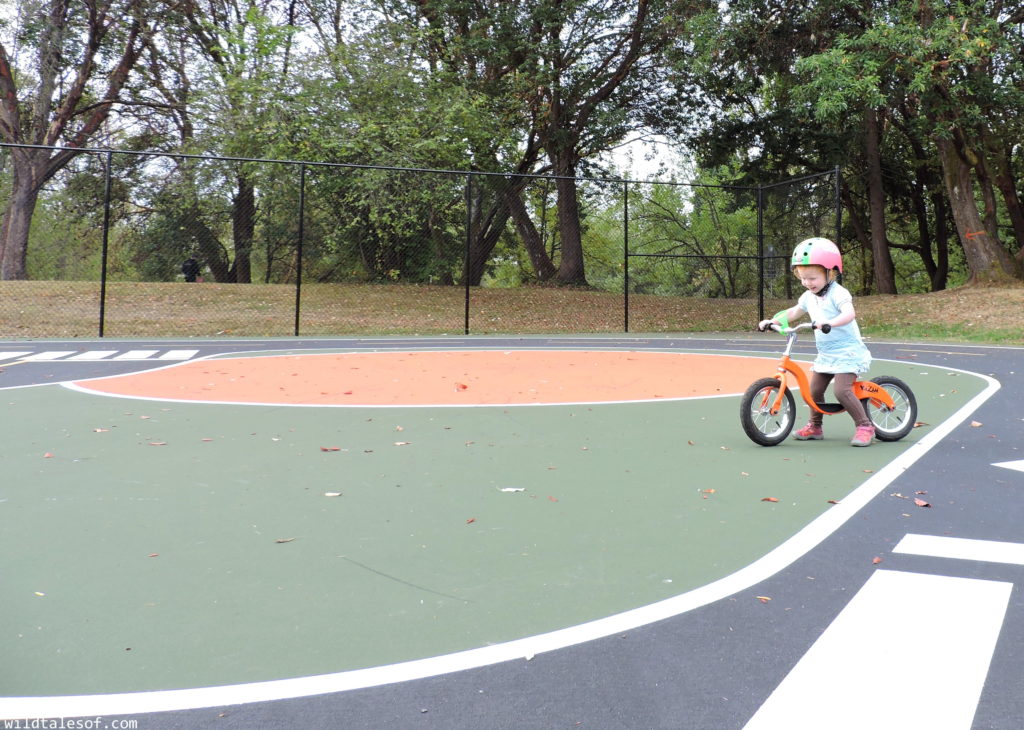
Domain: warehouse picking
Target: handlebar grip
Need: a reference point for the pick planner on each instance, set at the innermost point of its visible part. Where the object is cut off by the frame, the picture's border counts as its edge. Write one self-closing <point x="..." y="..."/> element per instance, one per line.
<point x="825" y="328"/>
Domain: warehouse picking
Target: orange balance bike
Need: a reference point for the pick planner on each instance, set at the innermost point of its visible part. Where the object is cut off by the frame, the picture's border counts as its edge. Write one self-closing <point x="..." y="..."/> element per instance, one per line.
<point x="768" y="410"/>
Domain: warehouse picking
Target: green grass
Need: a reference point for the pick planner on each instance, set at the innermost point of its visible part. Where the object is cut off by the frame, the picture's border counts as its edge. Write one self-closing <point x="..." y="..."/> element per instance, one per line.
<point x="53" y="309"/>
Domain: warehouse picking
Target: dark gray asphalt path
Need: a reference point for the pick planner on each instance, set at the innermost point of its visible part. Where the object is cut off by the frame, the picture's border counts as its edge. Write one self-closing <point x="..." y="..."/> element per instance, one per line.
<point x="712" y="667"/>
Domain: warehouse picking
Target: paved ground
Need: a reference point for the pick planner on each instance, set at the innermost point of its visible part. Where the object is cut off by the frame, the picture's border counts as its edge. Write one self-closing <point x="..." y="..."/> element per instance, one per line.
<point x="716" y="665"/>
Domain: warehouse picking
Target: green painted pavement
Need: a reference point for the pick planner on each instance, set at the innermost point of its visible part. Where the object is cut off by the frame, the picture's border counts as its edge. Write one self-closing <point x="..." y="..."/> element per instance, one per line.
<point x="160" y="567"/>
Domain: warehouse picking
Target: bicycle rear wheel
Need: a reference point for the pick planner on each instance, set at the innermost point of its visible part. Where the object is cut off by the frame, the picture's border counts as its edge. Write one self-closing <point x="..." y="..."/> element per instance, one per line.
<point x="759" y="423"/>
<point x="894" y="424"/>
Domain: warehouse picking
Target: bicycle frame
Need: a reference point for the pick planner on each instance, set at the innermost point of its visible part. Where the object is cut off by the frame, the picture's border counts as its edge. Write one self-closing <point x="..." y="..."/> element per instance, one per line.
<point x="861" y="388"/>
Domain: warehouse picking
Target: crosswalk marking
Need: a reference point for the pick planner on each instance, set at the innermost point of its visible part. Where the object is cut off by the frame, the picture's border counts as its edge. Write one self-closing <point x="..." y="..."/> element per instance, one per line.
<point x="93" y="355"/>
<point x="48" y="355"/>
<point x="136" y="355"/>
<point x="178" y="354"/>
<point x="98" y="355"/>
<point x="937" y="546"/>
<point x="13" y="355"/>
<point x="937" y="631"/>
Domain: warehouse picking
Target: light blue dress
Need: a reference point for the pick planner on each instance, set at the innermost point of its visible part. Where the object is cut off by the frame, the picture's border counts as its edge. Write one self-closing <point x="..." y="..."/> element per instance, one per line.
<point x="842" y="350"/>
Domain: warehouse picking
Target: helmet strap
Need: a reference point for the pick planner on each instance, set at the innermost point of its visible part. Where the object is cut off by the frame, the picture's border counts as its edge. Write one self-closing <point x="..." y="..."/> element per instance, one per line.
<point x="833" y="276"/>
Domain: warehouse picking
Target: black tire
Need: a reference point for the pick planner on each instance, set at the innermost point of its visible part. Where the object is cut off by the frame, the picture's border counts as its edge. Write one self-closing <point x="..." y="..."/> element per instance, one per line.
<point x="759" y="424"/>
<point x="892" y="425"/>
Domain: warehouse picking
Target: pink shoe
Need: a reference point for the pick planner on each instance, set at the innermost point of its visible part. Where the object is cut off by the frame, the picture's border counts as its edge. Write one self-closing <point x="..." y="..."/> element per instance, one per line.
<point x="810" y="432"/>
<point x="864" y="436"/>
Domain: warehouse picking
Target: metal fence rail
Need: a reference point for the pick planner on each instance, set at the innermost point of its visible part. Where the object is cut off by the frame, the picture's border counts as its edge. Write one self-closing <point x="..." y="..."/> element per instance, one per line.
<point x="288" y="248"/>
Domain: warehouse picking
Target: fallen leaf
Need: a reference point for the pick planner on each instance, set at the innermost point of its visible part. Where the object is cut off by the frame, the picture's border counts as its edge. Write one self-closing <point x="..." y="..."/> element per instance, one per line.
<point x="763" y="599"/>
<point x="769" y="499"/>
<point x="918" y="424"/>
<point x="461" y="386"/>
<point x="47" y="455"/>
<point x="332" y="494"/>
<point x="709" y="491"/>
<point x="157" y="443"/>
<point x="920" y="502"/>
<point x="744" y="474"/>
<point x="868" y="471"/>
<point x="206" y="440"/>
<point x="471" y="520"/>
<point x="832" y="501"/>
<point x="330" y="448"/>
<point x="153" y="555"/>
<point x="921" y="491"/>
<point x="552" y="498"/>
<point x="690" y="443"/>
<point x="399" y="428"/>
<point x="876" y="561"/>
<point x="100" y="430"/>
<point x="402" y="443"/>
<point x="976" y="424"/>
<point x="281" y="540"/>
<point x="512" y="489"/>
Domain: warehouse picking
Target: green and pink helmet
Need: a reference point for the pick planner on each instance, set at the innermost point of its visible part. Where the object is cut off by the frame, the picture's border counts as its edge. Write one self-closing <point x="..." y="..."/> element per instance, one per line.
<point x="817" y="252"/>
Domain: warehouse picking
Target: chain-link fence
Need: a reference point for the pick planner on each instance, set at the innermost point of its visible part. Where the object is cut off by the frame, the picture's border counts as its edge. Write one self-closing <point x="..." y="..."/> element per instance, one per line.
<point x="128" y="244"/>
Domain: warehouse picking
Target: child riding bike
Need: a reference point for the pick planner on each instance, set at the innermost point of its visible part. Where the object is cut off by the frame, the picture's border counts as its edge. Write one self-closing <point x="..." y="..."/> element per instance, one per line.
<point x="818" y="264"/>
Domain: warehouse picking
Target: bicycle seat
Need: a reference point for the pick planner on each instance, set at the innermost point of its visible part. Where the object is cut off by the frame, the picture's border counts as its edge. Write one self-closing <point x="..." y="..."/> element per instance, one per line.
<point x="830" y="407"/>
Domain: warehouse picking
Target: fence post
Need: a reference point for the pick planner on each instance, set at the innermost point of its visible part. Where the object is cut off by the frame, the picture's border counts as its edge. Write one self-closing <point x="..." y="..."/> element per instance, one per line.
<point x="106" y="243"/>
<point x="760" y="252"/>
<point x="298" y="252"/>
<point x="839" y="206"/>
<point x="469" y="236"/>
<point x="625" y="254"/>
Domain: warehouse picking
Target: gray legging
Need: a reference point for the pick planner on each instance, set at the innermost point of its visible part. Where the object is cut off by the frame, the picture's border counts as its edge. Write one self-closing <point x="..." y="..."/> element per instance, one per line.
<point x="843" y="389"/>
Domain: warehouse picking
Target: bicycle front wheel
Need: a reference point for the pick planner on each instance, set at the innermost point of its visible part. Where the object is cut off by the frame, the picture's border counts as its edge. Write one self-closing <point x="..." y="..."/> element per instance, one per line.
<point x="759" y="423"/>
<point x="892" y="424"/>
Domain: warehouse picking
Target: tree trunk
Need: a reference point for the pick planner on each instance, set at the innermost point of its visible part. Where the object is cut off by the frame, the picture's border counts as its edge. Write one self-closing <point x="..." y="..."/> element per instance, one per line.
<point x="859" y="232"/>
<point x="543" y="268"/>
<point x="1004" y="180"/>
<point x="243" y="228"/>
<point x="885" y="279"/>
<point x="571" y="269"/>
<point x="16" y="223"/>
<point x="941" y="212"/>
<point x="987" y="261"/>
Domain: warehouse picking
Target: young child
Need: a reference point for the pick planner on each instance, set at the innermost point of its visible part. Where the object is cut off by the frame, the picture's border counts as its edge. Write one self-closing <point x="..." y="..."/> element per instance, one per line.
<point x="841" y="353"/>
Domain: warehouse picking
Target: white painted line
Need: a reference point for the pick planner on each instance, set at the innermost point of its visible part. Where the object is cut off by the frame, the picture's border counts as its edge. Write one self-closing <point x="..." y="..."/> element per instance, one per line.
<point x="12" y="355"/>
<point x="1018" y="465"/>
<point x="49" y="355"/>
<point x="136" y="355"/>
<point x="178" y="355"/>
<point x="93" y="355"/>
<point x="936" y="546"/>
<point x="909" y="651"/>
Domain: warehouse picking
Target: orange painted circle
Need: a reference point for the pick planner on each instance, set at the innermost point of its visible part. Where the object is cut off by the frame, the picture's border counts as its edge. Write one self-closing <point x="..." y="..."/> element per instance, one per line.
<point x="443" y="378"/>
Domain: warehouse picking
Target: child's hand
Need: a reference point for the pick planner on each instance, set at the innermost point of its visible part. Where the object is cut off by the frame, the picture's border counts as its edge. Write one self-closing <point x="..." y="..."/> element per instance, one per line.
<point x="765" y="324"/>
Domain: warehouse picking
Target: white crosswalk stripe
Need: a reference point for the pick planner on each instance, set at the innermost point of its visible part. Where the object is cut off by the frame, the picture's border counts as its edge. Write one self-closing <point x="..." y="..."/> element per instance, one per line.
<point x="98" y="355"/>
<point x="48" y="355"/>
<point x="840" y="682"/>
<point x="178" y="354"/>
<point x="13" y="355"/>
<point x="93" y="355"/>
<point x="136" y="355"/>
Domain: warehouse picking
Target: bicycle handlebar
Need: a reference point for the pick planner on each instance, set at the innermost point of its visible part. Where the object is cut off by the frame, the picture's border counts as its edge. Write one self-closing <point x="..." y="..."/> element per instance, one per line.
<point x="825" y="328"/>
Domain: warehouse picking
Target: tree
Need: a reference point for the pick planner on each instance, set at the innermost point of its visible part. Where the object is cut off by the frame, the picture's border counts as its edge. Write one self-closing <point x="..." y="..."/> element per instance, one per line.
<point x="960" y="63"/>
<point x="83" y="56"/>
